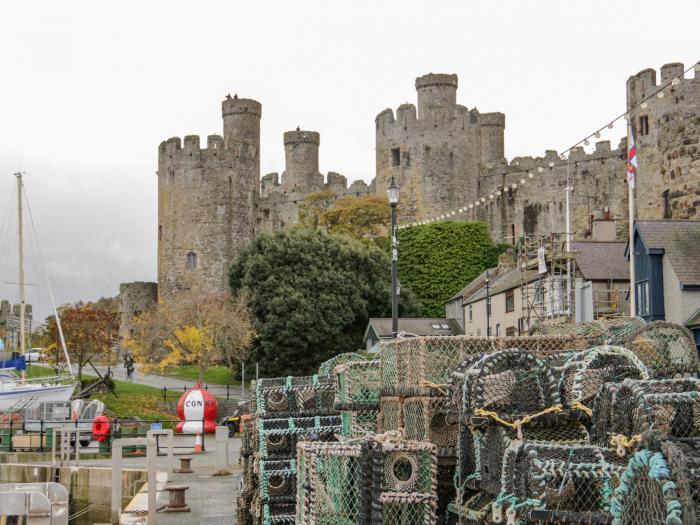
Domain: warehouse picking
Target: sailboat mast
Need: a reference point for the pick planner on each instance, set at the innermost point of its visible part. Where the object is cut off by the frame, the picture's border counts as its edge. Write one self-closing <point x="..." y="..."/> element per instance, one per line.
<point x="22" y="342"/>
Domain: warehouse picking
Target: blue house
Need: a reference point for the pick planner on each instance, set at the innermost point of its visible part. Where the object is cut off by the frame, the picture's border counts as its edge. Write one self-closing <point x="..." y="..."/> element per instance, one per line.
<point x="667" y="272"/>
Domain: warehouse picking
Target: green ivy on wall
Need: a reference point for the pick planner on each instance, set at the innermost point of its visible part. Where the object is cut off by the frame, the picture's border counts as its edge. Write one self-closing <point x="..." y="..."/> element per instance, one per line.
<point x="437" y="260"/>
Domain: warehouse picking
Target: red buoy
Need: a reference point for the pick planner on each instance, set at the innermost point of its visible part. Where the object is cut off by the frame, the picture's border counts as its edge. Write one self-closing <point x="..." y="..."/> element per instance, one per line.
<point x="194" y="407"/>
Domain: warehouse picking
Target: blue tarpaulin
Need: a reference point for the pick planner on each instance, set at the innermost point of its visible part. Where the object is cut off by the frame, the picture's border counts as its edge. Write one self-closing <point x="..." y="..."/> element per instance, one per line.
<point x="17" y="363"/>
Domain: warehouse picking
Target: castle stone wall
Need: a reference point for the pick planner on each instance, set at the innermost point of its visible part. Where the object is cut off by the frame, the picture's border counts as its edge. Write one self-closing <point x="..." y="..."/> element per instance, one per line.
<point x="134" y="299"/>
<point x="668" y="145"/>
<point x="537" y="205"/>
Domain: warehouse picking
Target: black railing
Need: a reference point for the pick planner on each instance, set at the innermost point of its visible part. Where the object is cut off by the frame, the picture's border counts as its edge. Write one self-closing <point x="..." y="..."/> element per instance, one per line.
<point x="226" y="392"/>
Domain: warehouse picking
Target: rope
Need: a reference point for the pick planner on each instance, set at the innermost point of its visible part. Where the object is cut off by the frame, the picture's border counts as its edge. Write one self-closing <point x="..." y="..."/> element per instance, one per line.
<point x="576" y="405"/>
<point x="440" y="387"/>
<point x="622" y="443"/>
<point x="524" y="420"/>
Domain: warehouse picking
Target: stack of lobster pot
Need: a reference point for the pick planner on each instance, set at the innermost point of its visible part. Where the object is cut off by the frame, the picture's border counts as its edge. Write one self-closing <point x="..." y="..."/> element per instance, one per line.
<point x="504" y="398"/>
<point x="287" y="410"/>
<point x="357" y="396"/>
<point x="375" y="480"/>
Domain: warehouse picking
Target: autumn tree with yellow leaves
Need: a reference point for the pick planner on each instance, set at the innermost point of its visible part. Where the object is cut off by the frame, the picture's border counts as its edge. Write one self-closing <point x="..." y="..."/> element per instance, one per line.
<point x="201" y="328"/>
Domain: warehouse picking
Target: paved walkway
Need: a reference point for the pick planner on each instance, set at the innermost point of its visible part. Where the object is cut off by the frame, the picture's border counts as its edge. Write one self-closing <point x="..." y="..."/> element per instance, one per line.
<point x="212" y="499"/>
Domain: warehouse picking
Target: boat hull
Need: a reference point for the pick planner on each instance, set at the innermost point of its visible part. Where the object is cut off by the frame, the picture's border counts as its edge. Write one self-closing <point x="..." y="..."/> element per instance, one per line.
<point x="17" y="395"/>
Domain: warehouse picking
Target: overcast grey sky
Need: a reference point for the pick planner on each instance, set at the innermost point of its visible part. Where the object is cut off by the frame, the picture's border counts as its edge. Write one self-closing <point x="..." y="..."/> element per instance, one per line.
<point x="89" y="89"/>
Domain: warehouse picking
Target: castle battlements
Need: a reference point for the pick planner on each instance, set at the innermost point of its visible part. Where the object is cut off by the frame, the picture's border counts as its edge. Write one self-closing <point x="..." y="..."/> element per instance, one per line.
<point x="645" y="82"/>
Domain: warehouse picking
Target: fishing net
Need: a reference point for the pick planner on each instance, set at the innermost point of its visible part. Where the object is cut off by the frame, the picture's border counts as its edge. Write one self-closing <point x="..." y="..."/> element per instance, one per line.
<point x="622" y="413"/>
<point x="294" y="396"/>
<point x="586" y="372"/>
<point x="358" y="383"/>
<point x="327" y="368"/>
<point x="277" y="438"/>
<point x="412" y="365"/>
<point x="428" y="419"/>
<point x="667" y="349"/>
<point x="661" y="485"/>
<point x="476" y="510"/>
<point x="606" y="331"/>
<point x="550" y="483"/>
<point x="390" y="413"/>
<point x="358" y="423"/>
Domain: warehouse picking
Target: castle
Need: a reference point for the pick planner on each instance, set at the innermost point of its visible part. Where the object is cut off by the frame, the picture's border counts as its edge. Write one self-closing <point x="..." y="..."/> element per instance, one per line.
<point x="212" y="201"/>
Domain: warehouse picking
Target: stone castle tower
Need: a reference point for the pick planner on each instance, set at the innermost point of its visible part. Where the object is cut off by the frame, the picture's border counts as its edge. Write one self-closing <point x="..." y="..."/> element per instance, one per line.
<point x="206" y="200"/>
<point x="435" y="152"/>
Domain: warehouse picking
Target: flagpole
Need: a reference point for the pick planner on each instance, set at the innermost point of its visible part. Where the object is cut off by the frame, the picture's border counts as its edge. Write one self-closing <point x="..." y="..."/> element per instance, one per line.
<point x="631" y="182"/>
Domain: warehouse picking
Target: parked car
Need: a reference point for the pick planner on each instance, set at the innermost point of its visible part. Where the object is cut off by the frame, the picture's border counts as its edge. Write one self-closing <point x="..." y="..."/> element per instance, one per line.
<point x="34" y="355"/>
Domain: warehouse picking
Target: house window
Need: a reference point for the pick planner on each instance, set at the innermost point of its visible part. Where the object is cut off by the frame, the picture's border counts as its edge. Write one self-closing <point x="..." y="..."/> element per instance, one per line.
<point x="510" y="300"/>
<point x="498" y="329"/>
<point x="160" y="232"/>
<point x="396" y="157"/>
<point x="667" y="205"/>
<point x="510" y="331"/>
<point x="644" y="125"/>
<point x="478" y="332"/>
<point x="643" y="306"/>
<point x="191" y="261"/>
<point x="470" y="313"/>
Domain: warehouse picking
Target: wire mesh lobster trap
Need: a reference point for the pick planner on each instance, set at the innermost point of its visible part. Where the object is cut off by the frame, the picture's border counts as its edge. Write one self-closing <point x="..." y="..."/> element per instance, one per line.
<point x="429" y="418"/>
<point x="358" y="385"/>
<point x="667" y="349"/>
<point x="412" y="365"/>
<point x="390" y="413"/>
<point x="550" y="483"/>
<point x="294" y="396"/>
<point x="378" y="480"/>
<point x="327" y="368"/>
<point x="507" y="386"/>
<point x="660" y="485"/>
<point x="605" y="331"/>
<point x="332" y="481"/>
<point x="277" y="438"/>
<point x="586" y="372"/>
<point x="404" y="477"/>
<point x="482" y="449"/>
<point x="622" y="413"/>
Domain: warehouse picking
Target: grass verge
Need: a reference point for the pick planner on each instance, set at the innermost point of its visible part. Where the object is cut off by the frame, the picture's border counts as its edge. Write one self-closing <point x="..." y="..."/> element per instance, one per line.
<point x="214" y="375"/>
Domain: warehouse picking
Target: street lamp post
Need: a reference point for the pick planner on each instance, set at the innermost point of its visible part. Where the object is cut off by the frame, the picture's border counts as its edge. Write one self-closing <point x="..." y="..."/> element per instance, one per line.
<point x="488" y="306"/>
<point x="393" y="194"/>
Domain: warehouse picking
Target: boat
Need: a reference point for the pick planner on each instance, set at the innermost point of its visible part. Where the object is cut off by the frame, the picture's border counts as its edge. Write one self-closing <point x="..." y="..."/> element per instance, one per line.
<point x="15" y="389"/>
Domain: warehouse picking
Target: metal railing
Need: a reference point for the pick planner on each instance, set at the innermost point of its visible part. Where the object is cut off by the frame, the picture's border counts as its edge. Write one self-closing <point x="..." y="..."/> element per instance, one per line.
<point x="227" y="392"/>
<point x="14" y="437"/>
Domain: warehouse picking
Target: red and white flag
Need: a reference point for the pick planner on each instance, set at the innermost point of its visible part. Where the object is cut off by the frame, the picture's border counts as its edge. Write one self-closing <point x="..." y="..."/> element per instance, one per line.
<point x="631" y="159"/>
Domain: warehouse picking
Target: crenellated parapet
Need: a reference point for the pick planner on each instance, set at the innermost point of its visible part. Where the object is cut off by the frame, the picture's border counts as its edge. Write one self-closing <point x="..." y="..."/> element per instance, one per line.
<point x="663" y="114"/>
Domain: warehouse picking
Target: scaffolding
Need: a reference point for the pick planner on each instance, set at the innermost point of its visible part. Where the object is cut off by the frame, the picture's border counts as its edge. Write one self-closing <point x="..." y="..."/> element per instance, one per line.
<point x="546" y="280"/>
